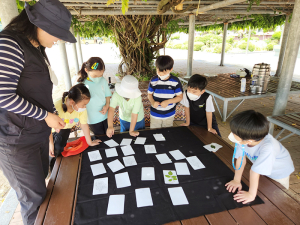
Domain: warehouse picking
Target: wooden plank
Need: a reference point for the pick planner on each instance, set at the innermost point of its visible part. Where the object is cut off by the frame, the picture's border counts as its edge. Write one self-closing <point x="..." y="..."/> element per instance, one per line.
<point x="269" y="211"/>
<point x="246" y="216"/>
<point x="220" y="218"/>
<point x="173" y="223"/>
<point x="200" y="220"/>
<point x="43" y="208"/>
<point x="76" y="191"/>
<point x="61" y="203"/>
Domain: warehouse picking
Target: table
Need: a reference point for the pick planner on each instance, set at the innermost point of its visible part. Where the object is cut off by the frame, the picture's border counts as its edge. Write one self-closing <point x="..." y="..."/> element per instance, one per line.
<point x="279" y="207"/>
<point x="289" y="122"/>
<point x="227" y="89"/>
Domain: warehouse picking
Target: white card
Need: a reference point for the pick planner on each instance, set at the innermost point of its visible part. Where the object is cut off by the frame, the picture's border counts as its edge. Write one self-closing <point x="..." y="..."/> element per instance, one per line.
<point x="111" y="152"/>
<point x="163" y="158"/>
<point x="213" y="147"/>
<point x="122" y="180"/>
<point x="115" y="165"/>
<point x="100" y="186"/>
<point x="182" y="169"/>
<point x="116" y="204"/>
<point x="178" y="196"/>
<point x="94" y="155"/>
<point x="98" y="169"/>
<point x="159" y="137"/>
<point x="148" y="173"/>
<point x="143" y="197"/>
<point x="127" y="150"/>
<point x="195" y="162"/>
<point x="140" y="141"/>
<point x="126" y="141"/>
<point x="111" y="143"/>
<point x="177" y="155"/>
<point x="150" y="149"/>
<point x="170" y="177"/>
<point x="129" y="161"/>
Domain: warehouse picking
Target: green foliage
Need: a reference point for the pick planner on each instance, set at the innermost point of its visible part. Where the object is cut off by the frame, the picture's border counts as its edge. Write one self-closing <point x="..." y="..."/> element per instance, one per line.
<point x="243" y="46"/>
<point x="209" y="39"/>
<point x="171" y="178"/>
<point x="218" y="48"/>
<point x="176" y="74"/>
<point x="251" y="38"/>
<point x="177" y="46"/>
<point x="270" y="46"/>
<point x="21" y="4"/>
<point x="175" y="37"/>
<point x="230" y="39"/>
<point x="198" y="46"/>
<point x="276" y="35"/>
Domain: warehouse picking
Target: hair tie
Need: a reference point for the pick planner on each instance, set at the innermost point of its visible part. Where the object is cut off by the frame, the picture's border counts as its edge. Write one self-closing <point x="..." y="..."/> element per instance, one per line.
<point x="94" y="66"/>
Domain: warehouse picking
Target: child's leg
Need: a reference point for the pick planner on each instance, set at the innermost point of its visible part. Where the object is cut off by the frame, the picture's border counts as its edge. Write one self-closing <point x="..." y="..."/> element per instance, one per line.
<point x="99" y="128"/>
<point x="155" y="123"/>
<point x="140" y="125"/>
<point x="124" y="125"/>
<point x="215" y="126"/>
<point x="168" y="122"/>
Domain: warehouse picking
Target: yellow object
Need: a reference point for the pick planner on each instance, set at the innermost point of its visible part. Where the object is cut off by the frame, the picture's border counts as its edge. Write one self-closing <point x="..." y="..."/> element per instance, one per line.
<point x="71" y="119"/>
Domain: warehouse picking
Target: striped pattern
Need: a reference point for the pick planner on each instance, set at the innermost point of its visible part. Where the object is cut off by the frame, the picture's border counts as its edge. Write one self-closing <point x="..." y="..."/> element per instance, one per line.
<point x="163" y="90"/>
<point x="11" y="66"/>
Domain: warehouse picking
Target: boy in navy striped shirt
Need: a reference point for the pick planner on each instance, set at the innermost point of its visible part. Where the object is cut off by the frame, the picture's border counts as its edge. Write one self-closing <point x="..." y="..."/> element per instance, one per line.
<point x="164" y="92"/>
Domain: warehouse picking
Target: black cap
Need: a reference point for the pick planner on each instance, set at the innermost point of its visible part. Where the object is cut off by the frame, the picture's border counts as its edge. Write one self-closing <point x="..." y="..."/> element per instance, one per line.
<point x="53" y="17"/>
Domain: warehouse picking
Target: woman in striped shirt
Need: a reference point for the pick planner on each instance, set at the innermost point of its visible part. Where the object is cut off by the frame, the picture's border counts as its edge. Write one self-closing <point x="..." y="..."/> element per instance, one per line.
<point x="26" y="105"/>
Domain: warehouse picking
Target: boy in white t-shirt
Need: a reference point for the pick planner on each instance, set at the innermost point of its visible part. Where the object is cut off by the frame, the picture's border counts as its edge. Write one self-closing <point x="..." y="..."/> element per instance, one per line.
<point x="250" y="133"/>
<point x="199" y="108"/>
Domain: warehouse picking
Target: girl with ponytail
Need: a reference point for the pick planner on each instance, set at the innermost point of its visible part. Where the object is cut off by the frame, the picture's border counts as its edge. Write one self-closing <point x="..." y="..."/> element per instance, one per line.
<point x="91" y="74"/>
<point x="72" y="110"/>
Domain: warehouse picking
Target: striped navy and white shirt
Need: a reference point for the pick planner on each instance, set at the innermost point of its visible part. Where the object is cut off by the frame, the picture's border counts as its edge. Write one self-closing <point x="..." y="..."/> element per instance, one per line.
<point x="11" y="66"/>
<point x="163" y="90"/>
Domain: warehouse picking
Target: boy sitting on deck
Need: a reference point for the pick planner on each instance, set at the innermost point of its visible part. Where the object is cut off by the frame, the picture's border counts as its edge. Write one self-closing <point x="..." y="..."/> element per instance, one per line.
<point x="250" y="133"/>
<point x="164" y="92"/>
<point x="198" y="105"/>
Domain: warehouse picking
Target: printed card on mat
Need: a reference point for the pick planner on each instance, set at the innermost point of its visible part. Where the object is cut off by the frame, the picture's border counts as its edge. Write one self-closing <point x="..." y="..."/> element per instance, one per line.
<point x="98" y="169"/>
<point x="148" y="173"/>
<point x="195" y="162"/>
<point x="116" y="205"/>
<point x="100" y="186"/>
<point x="94" y="155"/>
<point x="178" y="196"/>
<point x="143" y="197"/>
<point x="111" y="143"/>
<point x="115" y="165"/>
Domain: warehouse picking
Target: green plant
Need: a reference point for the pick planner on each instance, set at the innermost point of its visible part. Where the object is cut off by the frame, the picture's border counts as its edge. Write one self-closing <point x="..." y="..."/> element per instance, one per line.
<point x="198" y="46"/>
<point x="203" y="48"/>
<point x="268" y="41"/>
<point x="270" y="46"/>
<point x="177" y="46"/>
<point x="243" y="46"/>
<point x="176" y="74"/>
<point x="209" y="39"/>
<point x="254" y="38"/>
<point x="218" y="48"/>
<point x="276" y="36"/>
<point x="230" y="39"/>
<point x="171" y="178"/>
<point x="184" y="46"/>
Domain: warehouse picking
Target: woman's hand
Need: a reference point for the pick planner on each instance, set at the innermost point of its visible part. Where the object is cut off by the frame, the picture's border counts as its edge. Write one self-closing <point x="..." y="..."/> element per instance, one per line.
<point x="54" y="121"/>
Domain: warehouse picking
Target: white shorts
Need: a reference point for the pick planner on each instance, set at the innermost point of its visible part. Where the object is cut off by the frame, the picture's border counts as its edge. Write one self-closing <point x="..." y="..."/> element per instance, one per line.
<point x="285" y="182"/>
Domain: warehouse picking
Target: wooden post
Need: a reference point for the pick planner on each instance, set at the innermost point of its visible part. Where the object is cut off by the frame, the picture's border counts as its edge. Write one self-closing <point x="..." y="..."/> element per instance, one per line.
<point x="224" y="43"/>
<point x="8" y="11"/>
<point x="65" y="65"/>
<point x="289" y="62"/>
<point x="190" y="45"/>
<point x="285" y="34"/>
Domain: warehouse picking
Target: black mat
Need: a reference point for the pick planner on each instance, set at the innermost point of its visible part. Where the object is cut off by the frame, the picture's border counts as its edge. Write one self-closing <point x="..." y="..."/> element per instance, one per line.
<point x="204" y="188"/>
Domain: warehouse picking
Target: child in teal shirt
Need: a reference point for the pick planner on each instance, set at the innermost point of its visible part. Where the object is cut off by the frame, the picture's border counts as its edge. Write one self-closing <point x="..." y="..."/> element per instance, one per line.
<point x="91" y="74"/>
<point x="128" y="97"/>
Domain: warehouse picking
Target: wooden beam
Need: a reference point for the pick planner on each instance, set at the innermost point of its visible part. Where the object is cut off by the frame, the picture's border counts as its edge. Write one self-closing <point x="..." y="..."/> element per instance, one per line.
<point x="154" y="12"/>
<point x="217" y="5"/>
<point x="212" y="23"/>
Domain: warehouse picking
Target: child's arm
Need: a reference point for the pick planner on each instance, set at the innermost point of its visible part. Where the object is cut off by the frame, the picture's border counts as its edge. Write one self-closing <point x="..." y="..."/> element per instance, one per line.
<point x="51" y="145"/>
<point x="153" y="103"/>
<point x="187" y="117"/>
<point x="110" y="121"/>
<point x="249" y="196"/>
<point x="86" y="131"/>
<point x="209" y="116"/>
<point x="236" y="182"/>
<point x="165" y="103"/>
<point x="106" y="107"/>
<point x="132" y="125"/>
